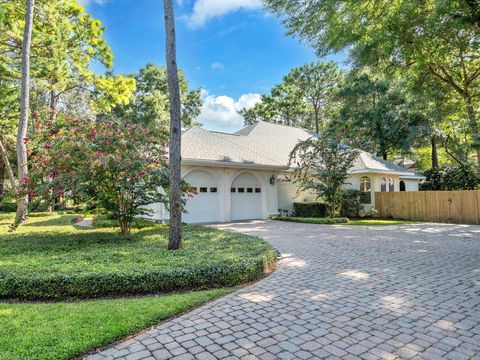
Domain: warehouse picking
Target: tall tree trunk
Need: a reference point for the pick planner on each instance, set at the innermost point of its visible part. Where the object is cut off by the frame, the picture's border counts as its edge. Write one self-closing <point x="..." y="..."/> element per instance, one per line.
<point x="472" y="120"/>
<point x="175" y="157"/>
<point x="2" y="182"/>
<point x="22" y="157"/>
<point x="317" y="127"/>
<point x="8" y="167"/>
<point x="434" y="152"/>
<point x="53" y="115"/>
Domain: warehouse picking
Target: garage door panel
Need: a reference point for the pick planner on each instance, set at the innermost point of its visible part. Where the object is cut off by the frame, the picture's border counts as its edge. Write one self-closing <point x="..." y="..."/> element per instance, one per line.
<point x="203" y="207"/>
<point x="246" y="198"/>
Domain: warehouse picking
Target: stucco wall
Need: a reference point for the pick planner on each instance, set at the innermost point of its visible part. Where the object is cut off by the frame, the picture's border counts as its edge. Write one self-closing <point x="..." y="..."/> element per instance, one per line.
<point x="224" y="177"/>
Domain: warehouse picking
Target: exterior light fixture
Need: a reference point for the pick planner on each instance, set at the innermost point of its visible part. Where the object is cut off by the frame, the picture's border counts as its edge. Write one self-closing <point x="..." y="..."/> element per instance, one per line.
<point x="272" y="180"/>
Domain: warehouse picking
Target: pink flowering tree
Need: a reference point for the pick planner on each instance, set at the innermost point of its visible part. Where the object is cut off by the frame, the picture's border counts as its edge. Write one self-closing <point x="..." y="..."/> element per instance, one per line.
<point x="118" y="164"/>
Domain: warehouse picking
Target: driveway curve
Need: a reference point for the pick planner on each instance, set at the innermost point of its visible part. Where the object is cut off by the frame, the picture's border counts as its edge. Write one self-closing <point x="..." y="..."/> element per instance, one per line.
<point x="349" y="292"/>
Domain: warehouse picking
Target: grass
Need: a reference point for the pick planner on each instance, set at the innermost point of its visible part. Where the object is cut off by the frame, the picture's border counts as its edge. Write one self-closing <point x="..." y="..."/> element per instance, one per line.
<point x="51" y="255"/>
<point x="345" y="221"/>
<point x="65" y="329"/>
<point x="314" y="220"/>
<point x="374" y="222"/>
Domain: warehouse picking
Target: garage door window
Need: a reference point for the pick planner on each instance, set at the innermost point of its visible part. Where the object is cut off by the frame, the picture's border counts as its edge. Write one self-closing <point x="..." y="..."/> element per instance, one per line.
<point x="241" y="190"/>
<point x="213" y="189"/>
<point x="232" y="190"/>
<point x="258" y="190"/>
<point x="249" y="190"/>
<point x="203" y="190"/>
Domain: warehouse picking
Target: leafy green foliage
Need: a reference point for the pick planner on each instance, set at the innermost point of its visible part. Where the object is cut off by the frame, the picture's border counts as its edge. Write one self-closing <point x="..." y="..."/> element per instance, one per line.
<point x="320" y="166"/>
<point x="377" y="115"/>
<point x="351" y="204"/>
<point x="466" y="177"/>
<point x="62" y="330"/>
<point x="50" y="258"/>
<point x="314" y="220"/>
<point x="119" y="165"/>
<point x="314" y="209"/>
<point x="150" y="105"/>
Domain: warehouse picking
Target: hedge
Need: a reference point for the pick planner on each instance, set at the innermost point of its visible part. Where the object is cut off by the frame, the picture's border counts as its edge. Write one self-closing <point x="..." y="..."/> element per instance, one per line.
<point x="312" y="209"/>
<point x="326" y="220"/>
<point x="65" y="286"/>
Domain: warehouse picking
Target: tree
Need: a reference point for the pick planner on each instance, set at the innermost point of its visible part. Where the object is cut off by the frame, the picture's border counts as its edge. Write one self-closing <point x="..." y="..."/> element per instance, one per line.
<point x="438" y="38"/>
<point x="119" y="165"/>
<point x="22" y="201"/>
<point x="317" y="83"/>
<point x="378" y="116"/>
<point x="175" y="157"/>
<point x="150" y="101"/>
<point x="321" y="166"/>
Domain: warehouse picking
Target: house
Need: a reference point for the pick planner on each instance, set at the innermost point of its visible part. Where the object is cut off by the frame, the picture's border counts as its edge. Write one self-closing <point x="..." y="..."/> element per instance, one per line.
<point x="245" y="175"/>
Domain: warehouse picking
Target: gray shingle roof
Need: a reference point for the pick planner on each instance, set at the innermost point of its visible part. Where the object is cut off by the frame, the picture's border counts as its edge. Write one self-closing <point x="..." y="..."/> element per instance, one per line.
<point x="263" y="145"/>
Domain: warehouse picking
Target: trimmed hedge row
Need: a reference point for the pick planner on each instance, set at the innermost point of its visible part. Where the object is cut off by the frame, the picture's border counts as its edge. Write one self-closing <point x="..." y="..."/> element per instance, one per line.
<point x="312" y="209"/>
<point x="326" y="220"/>
<point x="62" y="286"/>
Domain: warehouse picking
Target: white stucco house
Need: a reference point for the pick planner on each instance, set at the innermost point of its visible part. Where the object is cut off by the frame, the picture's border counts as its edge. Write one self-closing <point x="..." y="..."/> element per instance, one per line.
<point x="245" y="175"/>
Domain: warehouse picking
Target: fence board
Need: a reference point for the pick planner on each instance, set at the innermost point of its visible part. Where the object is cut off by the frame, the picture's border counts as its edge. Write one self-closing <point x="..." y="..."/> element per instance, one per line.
<point x="461" y="207"/>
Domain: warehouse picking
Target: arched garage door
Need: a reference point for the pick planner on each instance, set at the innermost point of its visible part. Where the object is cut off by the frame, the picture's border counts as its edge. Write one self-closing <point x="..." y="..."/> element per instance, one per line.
<point x="246" y="199"/>
<point x="203" y="207"/>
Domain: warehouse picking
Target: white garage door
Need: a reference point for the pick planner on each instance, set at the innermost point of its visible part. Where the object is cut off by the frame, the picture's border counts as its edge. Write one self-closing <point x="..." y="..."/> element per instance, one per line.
<point x="203" y="207"/>
<point x="246" y="195"/>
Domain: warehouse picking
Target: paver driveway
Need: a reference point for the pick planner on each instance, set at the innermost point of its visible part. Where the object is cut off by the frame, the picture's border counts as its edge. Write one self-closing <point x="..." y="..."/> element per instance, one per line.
<point x="396" y="292"/>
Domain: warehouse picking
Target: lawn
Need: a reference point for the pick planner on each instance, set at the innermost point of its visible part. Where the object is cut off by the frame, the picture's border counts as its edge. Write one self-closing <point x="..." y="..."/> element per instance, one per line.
<point x="50" y="258"/>
<point x="344" y="221"/>
<point x="64" y="329"/>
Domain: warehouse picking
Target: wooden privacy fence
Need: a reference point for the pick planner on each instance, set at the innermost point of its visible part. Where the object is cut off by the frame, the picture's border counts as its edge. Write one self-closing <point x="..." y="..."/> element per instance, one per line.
<point x="460" y="207"/>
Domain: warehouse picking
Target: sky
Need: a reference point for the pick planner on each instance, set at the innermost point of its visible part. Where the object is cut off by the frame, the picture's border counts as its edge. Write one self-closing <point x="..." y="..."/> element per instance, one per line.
<point x="233" y="49"/>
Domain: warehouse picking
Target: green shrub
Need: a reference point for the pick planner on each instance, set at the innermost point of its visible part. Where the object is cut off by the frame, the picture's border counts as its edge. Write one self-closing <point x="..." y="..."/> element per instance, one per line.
<point x="64" y="286"/>
<point x="313" y="209"/>
<point x="310" y="220"/>
<point x="351" y="205"/>
<point x="8" y="207"/>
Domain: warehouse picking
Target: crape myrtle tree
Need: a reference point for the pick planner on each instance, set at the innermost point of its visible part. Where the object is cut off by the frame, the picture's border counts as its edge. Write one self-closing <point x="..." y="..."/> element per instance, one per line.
<point x="117" y="164"/>
<point x="321" y="167"/>
<point x="437" y="38"/>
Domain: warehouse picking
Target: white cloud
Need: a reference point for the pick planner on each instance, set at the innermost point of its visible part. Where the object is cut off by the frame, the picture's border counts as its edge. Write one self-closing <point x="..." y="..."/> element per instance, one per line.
<point x="217" y="66"/>
<point x="220" y="113"/>
<point x="205" y="10"/>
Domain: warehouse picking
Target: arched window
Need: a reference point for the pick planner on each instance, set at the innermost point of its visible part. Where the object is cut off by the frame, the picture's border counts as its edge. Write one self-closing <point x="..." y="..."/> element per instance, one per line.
<point x="365" y="184"/>
<point x="383" y="185"/>
<point x="391" y="184"/>
<point x="402" y="185"/>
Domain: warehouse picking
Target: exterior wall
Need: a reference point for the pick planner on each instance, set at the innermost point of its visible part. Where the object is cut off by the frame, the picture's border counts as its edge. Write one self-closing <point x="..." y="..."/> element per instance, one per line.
<point x="224" y="177"/>
<point x="411" y="184"/>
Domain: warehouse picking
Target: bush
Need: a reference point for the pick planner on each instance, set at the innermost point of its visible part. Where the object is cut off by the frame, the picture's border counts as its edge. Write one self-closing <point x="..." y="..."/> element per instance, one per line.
<point x="452" y="178"/>
<point x="8" y="207"/>
<point x="313" y="209"/>
<point x="368" y="213"/>
<point x="351" y="205"/>
<point x="311" y="220"/>
<point x="63" y="286"/>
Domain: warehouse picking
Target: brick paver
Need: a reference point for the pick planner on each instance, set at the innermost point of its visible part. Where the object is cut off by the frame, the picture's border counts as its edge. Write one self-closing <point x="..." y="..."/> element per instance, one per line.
<point x="396" y="292"/>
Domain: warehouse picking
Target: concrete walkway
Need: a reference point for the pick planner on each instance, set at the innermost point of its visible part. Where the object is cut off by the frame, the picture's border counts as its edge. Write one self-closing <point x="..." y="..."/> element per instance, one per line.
<point x="349" y="292"/>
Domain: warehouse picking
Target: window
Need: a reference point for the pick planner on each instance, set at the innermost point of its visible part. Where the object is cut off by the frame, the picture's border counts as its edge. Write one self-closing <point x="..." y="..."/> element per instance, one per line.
<point x="232" y="189"/>
<point x="383" y="185"/>
<point x="213" y="189"/>
<point x="203" y="190"/>
<point x="402" y="185"/>
<point x="365" y="184"/>
<point x="391" y="184"/>
<point x="258" y="190"/>
<point x="241" y="190"/>
<point x="249" y="190"/>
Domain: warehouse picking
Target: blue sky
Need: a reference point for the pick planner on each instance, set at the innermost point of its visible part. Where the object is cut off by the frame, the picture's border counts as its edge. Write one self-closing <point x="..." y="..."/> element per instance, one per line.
<point x="232" y="49"/>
